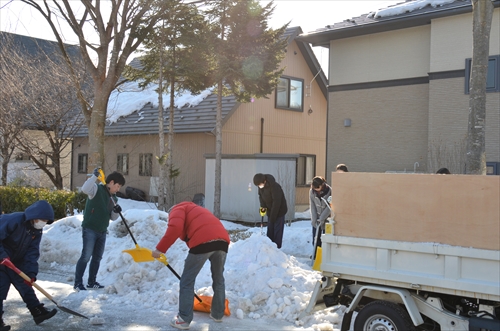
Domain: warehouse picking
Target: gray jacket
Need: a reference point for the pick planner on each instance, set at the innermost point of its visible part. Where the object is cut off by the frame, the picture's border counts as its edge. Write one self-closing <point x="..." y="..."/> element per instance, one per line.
<point x="319" y="208"/>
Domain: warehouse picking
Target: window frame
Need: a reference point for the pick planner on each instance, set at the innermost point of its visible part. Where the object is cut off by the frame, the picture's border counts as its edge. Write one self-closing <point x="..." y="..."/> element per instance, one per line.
<point x="496" y="71"/>
<point x="146" y="161"/>
<point x="82" y="163"/>
<point x="303" y="178"/>
<point x="120" y="166"/>
<point x="287" y="107"/>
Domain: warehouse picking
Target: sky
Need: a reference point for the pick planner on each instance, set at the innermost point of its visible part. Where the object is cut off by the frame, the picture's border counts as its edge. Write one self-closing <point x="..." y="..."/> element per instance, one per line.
<point x="310" y="15"/>
<point x="267" y="288"/>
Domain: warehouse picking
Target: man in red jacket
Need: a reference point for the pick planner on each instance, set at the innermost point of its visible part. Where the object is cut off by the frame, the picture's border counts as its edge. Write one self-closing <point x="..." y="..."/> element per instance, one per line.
<point x="207" y="239"/>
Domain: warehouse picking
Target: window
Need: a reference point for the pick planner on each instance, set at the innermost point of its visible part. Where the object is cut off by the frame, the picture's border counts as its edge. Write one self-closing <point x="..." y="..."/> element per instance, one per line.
<point x="306" y="168"/>
<point x="22" y="157"/>
<point x="145" y="164"/>
<point x="82" y="163"/>
<point x="289" y="94"/>
<point x="493" y="168"/>
<point x="122" y="164"/>
<point x="492" y="78"/>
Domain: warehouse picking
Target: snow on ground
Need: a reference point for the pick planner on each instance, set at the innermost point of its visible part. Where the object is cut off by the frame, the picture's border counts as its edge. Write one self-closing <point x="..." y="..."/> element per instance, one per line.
<point x="267" y="288"/>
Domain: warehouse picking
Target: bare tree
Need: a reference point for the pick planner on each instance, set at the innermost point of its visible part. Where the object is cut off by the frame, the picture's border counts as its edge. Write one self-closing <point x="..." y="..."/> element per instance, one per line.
<point x="482" y="11"/>
<point x="10" y="100"/>
<point x="108" y="32"/>
<point x="46" y="103"/>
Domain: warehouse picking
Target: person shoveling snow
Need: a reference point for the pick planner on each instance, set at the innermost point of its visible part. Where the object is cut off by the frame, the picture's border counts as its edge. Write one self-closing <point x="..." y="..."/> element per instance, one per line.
<point x="207" y="239"/>
<point x="20" y="236"/>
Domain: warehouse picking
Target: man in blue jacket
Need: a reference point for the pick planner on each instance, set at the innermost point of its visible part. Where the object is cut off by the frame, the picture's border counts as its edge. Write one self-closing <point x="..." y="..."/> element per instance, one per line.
<point x="20" y="236"/>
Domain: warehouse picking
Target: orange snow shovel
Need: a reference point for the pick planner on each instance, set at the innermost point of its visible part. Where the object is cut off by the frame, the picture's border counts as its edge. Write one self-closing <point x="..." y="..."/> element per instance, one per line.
<point x="139" y="254"/>
<point x="202" y="303"/>
<point x="9" y="264"/>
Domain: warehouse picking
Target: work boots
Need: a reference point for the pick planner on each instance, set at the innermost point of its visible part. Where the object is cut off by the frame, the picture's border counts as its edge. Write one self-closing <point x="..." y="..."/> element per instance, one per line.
<point x="41" y="314"/>
<point x="3" y="327"/>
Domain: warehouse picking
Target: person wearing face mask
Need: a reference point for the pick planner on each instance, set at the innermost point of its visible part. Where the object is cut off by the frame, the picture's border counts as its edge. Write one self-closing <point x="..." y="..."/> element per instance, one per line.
<point x="20" y="236"/>
<point x="273" y="203"/>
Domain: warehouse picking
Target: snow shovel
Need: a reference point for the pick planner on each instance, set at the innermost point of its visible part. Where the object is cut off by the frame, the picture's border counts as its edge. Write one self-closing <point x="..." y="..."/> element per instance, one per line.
<point x="201" y="303"/>
<point x="317" y="262"/>
<point x="10" y="265"/>
<point x="139" y="254"/>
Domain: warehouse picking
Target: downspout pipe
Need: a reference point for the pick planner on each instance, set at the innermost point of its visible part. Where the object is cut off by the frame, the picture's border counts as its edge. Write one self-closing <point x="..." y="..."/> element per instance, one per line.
<point x="261" y="135"/>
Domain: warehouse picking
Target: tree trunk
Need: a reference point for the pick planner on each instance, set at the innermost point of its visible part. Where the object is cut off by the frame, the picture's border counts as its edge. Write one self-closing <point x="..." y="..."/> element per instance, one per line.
<point x="96" y="129"/>
<point x="170" y="160"/>
<point x="218" y="152"/>
<point x="482" y="11"/>
<point x="161" y="136"/>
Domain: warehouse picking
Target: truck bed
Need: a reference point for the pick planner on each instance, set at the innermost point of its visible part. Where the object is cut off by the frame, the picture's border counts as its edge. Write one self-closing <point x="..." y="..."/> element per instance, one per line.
<point x="438" y="233"/>
<point x="433" y="267"/>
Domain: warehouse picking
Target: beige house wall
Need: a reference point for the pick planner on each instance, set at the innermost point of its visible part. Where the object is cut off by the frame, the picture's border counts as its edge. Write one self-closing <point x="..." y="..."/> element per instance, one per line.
<point x="380" y="56"/>
<point x="455" y="33"/>
<point x="388" y="129"/>
<point x="187" y="156"/>
<point x="285" y="131"/>
<point x="30" y="172"/>
<point x="448" y="117"/>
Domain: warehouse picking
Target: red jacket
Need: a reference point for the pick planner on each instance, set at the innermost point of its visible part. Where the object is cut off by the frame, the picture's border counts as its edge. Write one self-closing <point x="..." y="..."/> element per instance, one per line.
<point x="193" y="224"/>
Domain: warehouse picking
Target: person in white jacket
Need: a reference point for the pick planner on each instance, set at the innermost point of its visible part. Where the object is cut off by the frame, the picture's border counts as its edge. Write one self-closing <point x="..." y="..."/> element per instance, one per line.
<point x="319" y="195"/>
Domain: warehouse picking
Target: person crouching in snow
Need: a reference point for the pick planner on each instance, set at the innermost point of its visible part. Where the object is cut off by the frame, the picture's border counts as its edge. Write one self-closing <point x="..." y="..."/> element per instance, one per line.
<point x="207" y="239"/>
<point x="20" y="236"/>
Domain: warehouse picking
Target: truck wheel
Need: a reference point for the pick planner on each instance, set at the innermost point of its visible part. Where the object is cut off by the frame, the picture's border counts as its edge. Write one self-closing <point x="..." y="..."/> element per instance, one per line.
<point x="383" y="316"/>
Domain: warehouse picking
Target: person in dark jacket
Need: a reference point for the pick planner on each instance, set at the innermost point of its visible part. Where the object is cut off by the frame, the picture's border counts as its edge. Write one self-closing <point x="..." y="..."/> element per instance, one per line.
<point x="207" y="239"/>
<point x="20" y="236"/>
<point x="273" y="203"/>
<point x="99" y="208"/>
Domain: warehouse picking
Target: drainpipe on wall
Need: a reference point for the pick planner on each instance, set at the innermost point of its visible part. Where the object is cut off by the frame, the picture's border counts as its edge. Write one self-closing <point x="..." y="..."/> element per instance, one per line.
<point x="261" y="134"/>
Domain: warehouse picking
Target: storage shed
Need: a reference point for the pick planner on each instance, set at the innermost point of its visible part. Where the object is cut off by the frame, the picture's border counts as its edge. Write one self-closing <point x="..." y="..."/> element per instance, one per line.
<point x="239" y="196"/>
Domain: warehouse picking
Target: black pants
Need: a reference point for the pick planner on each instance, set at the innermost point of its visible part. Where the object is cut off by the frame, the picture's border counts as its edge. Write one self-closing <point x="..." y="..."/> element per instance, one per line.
<point x="275" y="230"/>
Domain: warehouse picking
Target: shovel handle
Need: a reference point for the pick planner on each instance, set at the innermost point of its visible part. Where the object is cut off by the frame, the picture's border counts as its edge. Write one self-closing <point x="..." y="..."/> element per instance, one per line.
<point x="9" y="264"/>
<point x="163" y="259"/>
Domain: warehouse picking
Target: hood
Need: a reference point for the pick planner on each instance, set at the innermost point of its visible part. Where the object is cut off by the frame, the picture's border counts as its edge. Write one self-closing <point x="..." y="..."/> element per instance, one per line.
<point x="40" y="210"/>
<point x="270" y="179"/>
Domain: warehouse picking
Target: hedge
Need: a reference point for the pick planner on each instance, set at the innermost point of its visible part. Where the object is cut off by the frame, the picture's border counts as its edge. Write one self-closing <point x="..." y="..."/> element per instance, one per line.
<point x="65" y="203"/>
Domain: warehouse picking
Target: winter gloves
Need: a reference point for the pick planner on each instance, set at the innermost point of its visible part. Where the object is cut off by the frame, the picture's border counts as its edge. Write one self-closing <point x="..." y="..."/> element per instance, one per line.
<point x="117" y="209"/>
<point x="262" y="211"/>
<point x="96" y="172"/>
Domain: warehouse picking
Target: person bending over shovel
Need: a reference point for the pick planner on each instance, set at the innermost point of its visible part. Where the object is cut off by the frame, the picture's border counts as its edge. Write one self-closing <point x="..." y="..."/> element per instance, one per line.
<point x="20" y="236"/>
<point x="207" y="239"/>
<point x="98" y="210"/>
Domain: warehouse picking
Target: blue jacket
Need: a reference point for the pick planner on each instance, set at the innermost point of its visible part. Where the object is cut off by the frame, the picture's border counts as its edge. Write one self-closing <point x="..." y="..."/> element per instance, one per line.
<point x="19" y="240"/>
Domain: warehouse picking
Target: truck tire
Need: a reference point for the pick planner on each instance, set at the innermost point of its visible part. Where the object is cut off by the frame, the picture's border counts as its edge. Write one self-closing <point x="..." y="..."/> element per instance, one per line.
<point x="383" y="316"/>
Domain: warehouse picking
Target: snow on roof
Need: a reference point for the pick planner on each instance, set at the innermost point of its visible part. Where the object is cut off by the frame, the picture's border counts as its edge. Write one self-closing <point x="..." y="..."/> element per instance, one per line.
<point x="407" y="7"/>
<point x="129" y="98"/>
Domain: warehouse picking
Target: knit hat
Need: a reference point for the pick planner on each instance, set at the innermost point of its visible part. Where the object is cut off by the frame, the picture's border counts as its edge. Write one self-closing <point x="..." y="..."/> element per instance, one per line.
<point x="41" y="210"/>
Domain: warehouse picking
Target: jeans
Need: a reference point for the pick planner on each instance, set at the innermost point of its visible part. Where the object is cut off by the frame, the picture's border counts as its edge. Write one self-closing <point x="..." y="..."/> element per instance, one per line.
<point x="93" y="246"/>
<point x="192" y="266"/>
<point x="7" y="277"/>
<point x="275" y="230"/>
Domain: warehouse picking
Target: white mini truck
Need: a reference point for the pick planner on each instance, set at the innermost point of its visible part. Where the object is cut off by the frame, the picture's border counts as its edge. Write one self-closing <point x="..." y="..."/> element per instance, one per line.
<point x="410" y="252"/>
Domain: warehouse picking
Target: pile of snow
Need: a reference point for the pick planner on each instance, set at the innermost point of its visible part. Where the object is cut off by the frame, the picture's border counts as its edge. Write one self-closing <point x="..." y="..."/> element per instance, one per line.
<point x="129" y="98"/>
<point x="407" y="7"/>
<point x="261" y="280"/>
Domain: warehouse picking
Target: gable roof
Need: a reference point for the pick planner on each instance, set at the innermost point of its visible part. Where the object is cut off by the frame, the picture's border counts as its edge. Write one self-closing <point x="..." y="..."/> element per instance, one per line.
<point x="376" y="22"/>
<point x="200" y="117"/>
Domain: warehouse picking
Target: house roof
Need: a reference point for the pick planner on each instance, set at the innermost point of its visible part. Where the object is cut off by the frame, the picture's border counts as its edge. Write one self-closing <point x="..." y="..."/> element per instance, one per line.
<point x="199" y="117"/>
<point x="36" y="46"/>
<point x="392" y="19"/>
